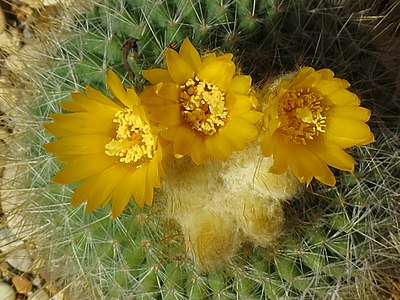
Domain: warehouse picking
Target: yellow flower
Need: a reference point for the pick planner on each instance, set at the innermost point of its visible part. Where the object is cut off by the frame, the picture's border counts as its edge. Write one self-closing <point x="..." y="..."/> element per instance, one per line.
<point x="310" y="118"/>
<point x="202" y="107"/>
<point x="109" y="145"/>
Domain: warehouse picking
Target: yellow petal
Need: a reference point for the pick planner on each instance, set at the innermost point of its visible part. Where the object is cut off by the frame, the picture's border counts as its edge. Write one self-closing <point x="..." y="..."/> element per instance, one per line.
<point x="252" y="116"/>
<point x="347" y="132"/>
<point x="209" y="58"/>
<point x="133" y="97"/>
<point x="237" y="103"/>
<point x="218" y="73"/>
<point x="149" y="194"/>
<point x="155" y="76"/>
<point x="183" y="142"/>
<point x="189" y="53"/>
<point x="239" y="131"/>
<point x="308" y="81"/>
<point x="317" y="167"/>
<point x="326" y="74"/>
<point x="368" y="140"/>
<point x="169" y="133"/>
<point x="61" y="131"/>
<point x="280" y="164"/>
<point x="141" y="112"/>
<point x="304" y="164"/>
<point x="120" y="198"/>
<point x="287" y="151"/>
<point x="65" y="158"/>
<point x="327" y="87"/>
<point x="105" y="186"/>
<point x="57" y="130"/>
<point x="351" y="112"/>
<point x="281" y="154"/>
<point x="83" y="166"/>
<point x="332" y="155"/>
<point x="151" y="100"/>
<point x="266" y="144"/>
<point x="82" y="123"/>
<point x="167" y="115"/>
<point x="219" y="146"/>
<point x="237" y="144"/>
<point x="96" y="95"/>
<point x="88" y="103"/>
<point x="78" y="144"/>
<point x="301" y="74"/>
<point x="137" y="183"/>
<point x="285" y="155"/>
<point x="212" y="58"/>
<point x="161" y="171"/>
<point x="85" y="189"/>
<point x="254" y="99"/>
<point x="93" y="203"/>
<point x="71" y="106"/>
<point x="240" y="84"/>
<point x="153" y="175"/>
<point x="347" y="142"/>
<point x="178" y="68"/>
<point x="227" y="57"/>
<point x="170" y="91"/>
<point x="200" y="154"/>
<point x="96" y="108"/>
<point x="149" y="197"/>
<point x="342" y="98"/>
<point x="118" y="90"/>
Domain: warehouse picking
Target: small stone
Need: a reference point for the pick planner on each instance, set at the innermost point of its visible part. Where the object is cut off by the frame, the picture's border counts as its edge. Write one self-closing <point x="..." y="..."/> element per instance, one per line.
<point x="30" y="55"/>
<point x="4" y="271"/>
<point x="22" y="284"/>
<point x="8" y="242"/>
<point x="59" y="296"/>
<point x="37" y="281"/>
<point x="20" y="260"/>
<point x="5" y="139"/>
<point x="10" y="41"/>
<point x="4" y="134"/>
<point x="3" y="20"/>
<point x="24" y="14"/>
<point x="13" y="201"/>
<point x="7" y="292"/>
<point x="39" y="295"/>
<point x="28" y="32"/>
<point x="7" y="42"/>
<point x="7" y="99"/>
<point x="51" y="287"/>
<point x="38" y="4"/>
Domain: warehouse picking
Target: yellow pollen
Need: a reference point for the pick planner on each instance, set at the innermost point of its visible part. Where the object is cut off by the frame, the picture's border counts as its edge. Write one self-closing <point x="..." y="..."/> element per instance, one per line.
<point x="302" y="115"/>
<point x="203" y="106"/>
<point x="134" y="142"/>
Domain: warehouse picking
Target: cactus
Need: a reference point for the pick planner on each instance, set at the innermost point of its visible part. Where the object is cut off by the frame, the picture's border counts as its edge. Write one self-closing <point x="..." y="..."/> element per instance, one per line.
<point x="338" y="242"/>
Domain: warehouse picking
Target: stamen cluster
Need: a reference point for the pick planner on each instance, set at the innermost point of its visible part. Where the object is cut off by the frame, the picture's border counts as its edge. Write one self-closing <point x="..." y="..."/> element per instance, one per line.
<point x="302" y="115"/>
<point x="134" y="142"/>
<point x="203" y="106"/>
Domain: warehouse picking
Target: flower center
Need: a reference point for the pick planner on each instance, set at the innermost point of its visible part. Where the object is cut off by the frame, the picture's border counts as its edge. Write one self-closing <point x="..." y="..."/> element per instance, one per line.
<point x="134" y="142"/>
<point x="302" y="115"/>
<point x="203" y="106"/>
